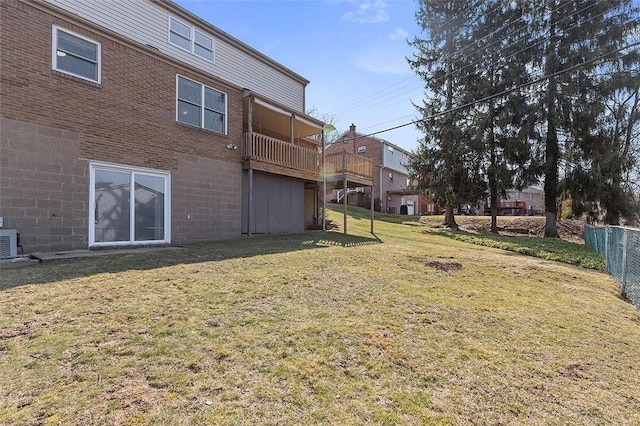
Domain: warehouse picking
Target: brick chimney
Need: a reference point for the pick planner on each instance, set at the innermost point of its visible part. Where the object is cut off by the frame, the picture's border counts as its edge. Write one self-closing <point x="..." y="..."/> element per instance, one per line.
<point x="352" y="136"/>
<point x="352" y="131"/>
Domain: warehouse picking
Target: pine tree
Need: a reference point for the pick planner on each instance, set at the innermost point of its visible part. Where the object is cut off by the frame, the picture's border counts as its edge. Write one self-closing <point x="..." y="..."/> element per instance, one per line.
<point x="504" y="124"/>
<point x="604" y="148"/>
<point x="443" y="164"/>
<point x="573" y="37"/>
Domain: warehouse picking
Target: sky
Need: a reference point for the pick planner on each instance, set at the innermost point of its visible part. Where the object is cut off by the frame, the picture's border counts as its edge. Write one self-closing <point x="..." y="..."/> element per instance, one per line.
<point x="352" y="51"/>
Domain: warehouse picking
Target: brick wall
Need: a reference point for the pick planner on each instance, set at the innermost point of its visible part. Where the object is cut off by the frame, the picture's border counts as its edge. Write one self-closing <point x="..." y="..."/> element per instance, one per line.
<point x="43" y="186"/>
<point x="374" y="151"/>
<point x="56" y="124"/>
<point x="206" y="199"/>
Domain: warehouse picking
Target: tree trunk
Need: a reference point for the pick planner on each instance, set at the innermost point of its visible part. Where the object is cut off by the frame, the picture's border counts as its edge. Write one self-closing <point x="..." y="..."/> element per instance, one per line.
<point x="450" y="218"/>
<point x="550" y="223"/>
<point x="493" y="184"/>
<point x="552" y="149"/>
<point x="551" y="180"/>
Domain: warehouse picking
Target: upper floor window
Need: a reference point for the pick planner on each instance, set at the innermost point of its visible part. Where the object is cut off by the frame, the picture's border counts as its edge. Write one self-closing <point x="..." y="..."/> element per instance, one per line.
<point x="76" y="55"/>
<point x="190" y="39"/>
<point x="362" y="149"/>
<point x="180" y="34"/>
<point x="202" y="106"/>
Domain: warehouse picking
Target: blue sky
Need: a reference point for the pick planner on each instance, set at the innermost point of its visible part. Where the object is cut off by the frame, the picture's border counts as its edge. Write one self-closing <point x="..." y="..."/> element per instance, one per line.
<point x="352" y="51"/>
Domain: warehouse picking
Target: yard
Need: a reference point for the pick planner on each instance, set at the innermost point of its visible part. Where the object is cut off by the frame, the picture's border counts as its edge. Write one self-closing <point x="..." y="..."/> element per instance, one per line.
<point x="413" y="326"/>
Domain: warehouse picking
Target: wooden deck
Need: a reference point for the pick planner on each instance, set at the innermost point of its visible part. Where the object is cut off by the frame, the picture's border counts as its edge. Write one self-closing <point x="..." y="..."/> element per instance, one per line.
<point x="272" y="155"/>
<point x="358" y="170"/>
<point x="284" y="158"/>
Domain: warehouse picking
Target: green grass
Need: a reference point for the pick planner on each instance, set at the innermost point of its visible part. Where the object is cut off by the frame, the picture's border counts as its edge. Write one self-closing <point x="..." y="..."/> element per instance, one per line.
<point x="404" y="327"/>
<point x="545" y="248"/>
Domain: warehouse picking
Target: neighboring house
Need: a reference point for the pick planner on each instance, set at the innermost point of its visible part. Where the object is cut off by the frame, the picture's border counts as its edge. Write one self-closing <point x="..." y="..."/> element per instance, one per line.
<point x="391" y="183"/>
<point x="136" y="122"/>
<point x="527" y="201"/>
<point x="531" y="196"/>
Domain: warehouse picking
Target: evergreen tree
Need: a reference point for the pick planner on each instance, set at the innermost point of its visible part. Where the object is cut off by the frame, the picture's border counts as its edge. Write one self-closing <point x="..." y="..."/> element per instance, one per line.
<point x="573" y="35"/>
<point x="604" y="149"/>
<point x="443" y="164"/>
<point x="505" y="124"/>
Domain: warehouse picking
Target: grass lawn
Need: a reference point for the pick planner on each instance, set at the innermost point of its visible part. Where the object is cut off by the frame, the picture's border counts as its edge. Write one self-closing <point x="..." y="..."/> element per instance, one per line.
<point x="411" y="327"/>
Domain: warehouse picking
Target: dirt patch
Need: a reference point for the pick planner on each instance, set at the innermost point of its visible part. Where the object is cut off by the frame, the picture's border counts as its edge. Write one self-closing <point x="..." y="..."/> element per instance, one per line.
<point x="569" y="229"/>
<point x="445" y="266"/>
<point x="575" y="371"/>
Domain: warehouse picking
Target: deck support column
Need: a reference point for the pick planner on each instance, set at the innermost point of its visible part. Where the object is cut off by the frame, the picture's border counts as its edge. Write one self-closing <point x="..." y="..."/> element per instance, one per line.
<point x="344" y="187"/>
<point x="250" y="203"/>
<point x="372" y="209"/>
<point x="249" y="151"/>
<point x="324" y="187"/>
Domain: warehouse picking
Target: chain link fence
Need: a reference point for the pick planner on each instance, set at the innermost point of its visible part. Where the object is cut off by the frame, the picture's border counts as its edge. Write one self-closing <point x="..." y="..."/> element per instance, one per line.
<point x="620" y="247"/>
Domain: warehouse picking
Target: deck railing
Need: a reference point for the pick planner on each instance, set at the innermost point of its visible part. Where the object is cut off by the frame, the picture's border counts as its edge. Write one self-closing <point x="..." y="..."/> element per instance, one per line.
<point x="346" y="162"/>
<point x="274" y="151"/>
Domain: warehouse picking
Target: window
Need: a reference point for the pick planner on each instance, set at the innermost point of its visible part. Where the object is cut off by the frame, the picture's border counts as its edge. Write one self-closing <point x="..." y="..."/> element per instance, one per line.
<point x="362" y="149"/>
<point x="203" y="46"/>
<point x="128" y="205"/>
<point x="201" y="106"/>
<point x="191" y="40"/>
<point x="180" y="34"/>
<point x="390" y="149"/>
<point x="390" y="177"/>
<point x="76" y="55"/>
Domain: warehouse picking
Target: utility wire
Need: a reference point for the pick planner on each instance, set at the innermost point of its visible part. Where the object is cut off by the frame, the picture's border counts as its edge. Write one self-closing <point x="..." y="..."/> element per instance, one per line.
<point x="520" y="51"/>
<point x="505" y="92"/>
<point x="474" y="43"/>
<point x="451" y="20"/>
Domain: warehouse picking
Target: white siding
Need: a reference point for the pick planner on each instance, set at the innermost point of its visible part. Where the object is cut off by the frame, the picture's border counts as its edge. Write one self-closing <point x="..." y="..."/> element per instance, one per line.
<point x="147" y="23"/>
<point x="395" y="160"/>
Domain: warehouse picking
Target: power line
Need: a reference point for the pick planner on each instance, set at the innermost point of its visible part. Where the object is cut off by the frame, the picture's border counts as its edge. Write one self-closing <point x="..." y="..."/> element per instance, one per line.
<point x="505" y="92"/>
<point x="378" y="94"/>
<point x="541" y="40"/>
<point x="451" y="20"/>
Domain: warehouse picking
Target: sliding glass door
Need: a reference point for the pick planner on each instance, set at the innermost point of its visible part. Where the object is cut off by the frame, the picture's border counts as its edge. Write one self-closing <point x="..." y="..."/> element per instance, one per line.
<point x="129" y="205"/>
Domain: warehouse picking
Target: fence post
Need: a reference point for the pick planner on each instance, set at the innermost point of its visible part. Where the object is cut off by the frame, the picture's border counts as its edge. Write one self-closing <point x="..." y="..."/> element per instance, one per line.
<point x="624" y="260"/>
<point x="606" y="248"/>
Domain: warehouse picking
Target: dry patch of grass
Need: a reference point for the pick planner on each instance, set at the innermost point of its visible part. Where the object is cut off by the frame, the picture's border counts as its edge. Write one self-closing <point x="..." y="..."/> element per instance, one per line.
<point x="405" y="328"/>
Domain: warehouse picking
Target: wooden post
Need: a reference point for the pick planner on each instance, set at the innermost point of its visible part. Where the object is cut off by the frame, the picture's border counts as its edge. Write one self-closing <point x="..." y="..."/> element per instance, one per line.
<point x="250" y="203"/>
<point x="250" y="153"/>
<point x="292" y="120"/>
<point x="324" y="187"/>
<point x="344" y="187"/>
<point x="372" y="209"/>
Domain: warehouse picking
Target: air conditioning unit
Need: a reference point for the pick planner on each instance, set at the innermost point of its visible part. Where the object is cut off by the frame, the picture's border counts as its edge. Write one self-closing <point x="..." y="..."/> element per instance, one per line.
<point x="8" y="243"/>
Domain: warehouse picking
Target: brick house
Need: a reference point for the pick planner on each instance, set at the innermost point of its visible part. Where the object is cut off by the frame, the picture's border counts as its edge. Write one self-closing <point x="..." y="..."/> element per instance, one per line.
<point x="136" y="122"/>
<point x="390" y="176"/>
